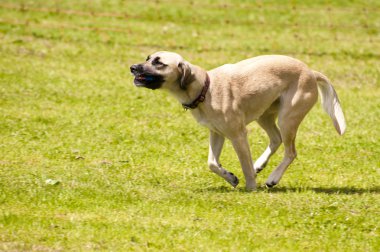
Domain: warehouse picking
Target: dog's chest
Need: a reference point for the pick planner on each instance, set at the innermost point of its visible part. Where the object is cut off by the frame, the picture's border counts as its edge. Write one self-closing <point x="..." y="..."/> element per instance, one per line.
<point x="203" y="120"/>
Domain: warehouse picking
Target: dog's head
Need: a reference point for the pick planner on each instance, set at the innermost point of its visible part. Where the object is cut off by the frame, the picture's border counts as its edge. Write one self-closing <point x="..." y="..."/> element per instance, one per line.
<point x="163" y="70"/>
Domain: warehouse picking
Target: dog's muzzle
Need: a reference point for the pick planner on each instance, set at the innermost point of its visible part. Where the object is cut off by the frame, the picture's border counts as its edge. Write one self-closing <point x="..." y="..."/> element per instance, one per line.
<point x="144" y="78"/>
<point x="136" y="68"/>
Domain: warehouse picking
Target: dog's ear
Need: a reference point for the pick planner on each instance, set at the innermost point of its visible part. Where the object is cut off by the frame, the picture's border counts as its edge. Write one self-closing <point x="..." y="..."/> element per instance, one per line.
<point x="186" y="75"/>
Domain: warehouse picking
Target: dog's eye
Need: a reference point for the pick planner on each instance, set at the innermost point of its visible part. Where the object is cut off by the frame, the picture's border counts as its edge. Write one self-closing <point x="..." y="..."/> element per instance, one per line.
<point x="158" y="63"/>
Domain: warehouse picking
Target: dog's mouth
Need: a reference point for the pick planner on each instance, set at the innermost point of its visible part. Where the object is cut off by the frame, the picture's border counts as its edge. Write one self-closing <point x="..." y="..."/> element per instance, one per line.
<point x="152" y="81"/>
<point x="143" y="79"/>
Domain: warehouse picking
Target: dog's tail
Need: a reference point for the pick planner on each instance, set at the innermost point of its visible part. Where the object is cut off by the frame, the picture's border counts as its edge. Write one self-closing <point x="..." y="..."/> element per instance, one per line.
<point x="330" y="102"/>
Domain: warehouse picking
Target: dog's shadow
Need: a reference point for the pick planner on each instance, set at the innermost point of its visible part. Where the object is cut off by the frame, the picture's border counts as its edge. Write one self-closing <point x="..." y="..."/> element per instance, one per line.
<point x="326" y="190"/>
<point x="285" y="189"/>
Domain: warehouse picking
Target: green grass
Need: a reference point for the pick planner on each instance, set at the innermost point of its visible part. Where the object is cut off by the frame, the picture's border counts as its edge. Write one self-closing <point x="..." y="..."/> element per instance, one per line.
<point x="131" y="164"/>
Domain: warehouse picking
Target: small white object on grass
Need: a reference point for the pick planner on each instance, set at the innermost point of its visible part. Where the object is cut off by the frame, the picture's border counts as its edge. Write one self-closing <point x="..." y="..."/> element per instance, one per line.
<point x="52" y="182"/>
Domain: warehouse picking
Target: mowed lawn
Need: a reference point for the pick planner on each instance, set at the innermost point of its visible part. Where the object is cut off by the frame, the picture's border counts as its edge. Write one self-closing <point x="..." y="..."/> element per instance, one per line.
<point x="90" y="162"/>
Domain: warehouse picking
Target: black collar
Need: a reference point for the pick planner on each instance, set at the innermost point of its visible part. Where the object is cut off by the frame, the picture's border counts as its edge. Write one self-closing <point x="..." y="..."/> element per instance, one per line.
<point x="201" y="97"/>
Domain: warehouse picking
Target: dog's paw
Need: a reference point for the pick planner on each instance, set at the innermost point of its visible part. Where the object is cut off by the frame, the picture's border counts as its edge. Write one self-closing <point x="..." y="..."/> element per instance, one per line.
<point x="233" y="180"/>
<point x="270" y="184"/>
<point x="259" y="167"/>
<point x="271" y="181"/>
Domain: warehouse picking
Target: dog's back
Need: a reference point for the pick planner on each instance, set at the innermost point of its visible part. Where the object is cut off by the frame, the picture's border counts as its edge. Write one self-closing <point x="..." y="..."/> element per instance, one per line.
<point x="256" y="83"/>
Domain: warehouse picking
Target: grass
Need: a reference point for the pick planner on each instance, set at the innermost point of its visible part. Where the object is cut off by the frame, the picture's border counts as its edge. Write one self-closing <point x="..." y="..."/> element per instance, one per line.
<point x="128" y="166"/>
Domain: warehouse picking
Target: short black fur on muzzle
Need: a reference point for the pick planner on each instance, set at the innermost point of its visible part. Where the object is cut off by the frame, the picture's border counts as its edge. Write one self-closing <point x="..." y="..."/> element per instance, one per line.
<point x="145" y="78"/>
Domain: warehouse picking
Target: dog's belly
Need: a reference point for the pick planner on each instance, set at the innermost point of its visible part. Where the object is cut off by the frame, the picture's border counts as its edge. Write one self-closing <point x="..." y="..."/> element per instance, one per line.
<point x="254" y="106"/>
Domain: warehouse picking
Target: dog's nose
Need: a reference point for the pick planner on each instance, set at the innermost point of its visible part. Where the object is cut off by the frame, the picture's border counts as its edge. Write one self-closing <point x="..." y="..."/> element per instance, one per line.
<point x="136" y="68"/>
<point x="133" y="68"/>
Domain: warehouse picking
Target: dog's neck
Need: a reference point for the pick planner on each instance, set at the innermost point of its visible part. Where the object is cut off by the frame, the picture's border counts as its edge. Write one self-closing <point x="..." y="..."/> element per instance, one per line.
<point x="193" y="89"/>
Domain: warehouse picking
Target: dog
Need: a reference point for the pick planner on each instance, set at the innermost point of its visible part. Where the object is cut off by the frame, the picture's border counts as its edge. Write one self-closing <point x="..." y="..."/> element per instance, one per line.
<point x="229" y="97"/>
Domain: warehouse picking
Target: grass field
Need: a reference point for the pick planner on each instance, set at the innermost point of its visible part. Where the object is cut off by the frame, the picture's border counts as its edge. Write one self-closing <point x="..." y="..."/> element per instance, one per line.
<point x="89" y="162"/>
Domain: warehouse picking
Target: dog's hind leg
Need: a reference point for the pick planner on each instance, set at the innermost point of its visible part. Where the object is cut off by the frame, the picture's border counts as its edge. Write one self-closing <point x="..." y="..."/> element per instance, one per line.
<point x="215" y="149"/>
<point x="295" y="104"/>
<point x="268" y="123"/>
<point x="288" y="134"/>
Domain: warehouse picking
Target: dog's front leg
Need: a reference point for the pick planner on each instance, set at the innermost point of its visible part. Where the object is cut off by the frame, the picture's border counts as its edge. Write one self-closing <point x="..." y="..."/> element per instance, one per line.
<point x="216" y="145"/>
<point x="241" y="146"/>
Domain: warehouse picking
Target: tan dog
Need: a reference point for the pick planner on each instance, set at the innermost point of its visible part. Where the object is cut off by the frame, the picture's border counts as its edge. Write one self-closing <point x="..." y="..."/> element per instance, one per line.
<point x="231" y="96"/>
